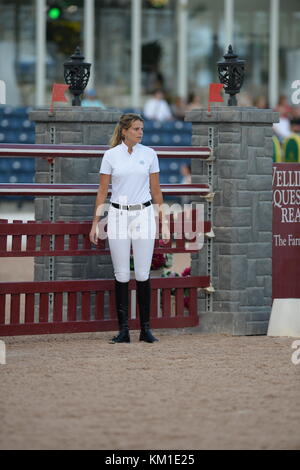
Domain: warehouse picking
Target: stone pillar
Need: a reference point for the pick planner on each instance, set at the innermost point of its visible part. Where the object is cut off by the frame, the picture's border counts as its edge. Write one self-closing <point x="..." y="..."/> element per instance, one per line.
<point x="73" y="126"/>
<point x="241" y="216"/>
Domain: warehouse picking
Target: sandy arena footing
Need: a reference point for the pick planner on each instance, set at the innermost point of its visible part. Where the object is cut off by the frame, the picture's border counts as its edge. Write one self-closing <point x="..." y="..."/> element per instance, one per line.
<point x="189" y="391"/>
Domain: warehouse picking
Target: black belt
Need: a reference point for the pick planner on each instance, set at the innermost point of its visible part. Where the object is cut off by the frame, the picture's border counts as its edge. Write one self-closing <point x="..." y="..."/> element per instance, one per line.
<point x="132" y="207"/>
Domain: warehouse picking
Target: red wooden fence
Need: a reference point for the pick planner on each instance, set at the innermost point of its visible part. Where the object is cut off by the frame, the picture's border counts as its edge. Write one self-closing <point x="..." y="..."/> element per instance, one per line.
<point x="80" y="305"/>
<point x="72" y="307"/>
<point x="40" y="307"/>
<point x="18" y="238"/>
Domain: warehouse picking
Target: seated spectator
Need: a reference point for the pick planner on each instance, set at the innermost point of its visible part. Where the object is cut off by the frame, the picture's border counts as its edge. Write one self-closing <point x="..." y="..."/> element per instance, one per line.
<point x="193" y="102"/>
<point x="261" y="102"/>
<point x="179" y="108"/>
<point x="283" y="107"/>
<point x="282" y="128"/>
<point x="90" y="99"/>
<point x="157" y="108"/>
<point x="244" y="99"/>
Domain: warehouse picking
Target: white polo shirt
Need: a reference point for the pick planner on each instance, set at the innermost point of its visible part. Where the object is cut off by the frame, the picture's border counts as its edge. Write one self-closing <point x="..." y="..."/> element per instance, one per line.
<point x="130" y="172"/>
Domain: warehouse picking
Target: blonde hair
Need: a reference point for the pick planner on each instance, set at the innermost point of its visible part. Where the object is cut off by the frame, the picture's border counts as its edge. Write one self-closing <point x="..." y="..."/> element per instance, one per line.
<point x="125" y="122"/>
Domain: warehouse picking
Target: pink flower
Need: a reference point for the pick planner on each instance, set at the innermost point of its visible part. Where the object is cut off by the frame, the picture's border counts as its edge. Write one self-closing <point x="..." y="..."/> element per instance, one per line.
<point x="186" y="272"/>
<point x="158" y="261"/>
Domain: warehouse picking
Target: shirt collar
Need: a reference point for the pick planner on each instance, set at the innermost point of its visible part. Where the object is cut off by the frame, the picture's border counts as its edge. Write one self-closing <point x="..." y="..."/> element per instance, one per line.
<point x="126" y="148"/>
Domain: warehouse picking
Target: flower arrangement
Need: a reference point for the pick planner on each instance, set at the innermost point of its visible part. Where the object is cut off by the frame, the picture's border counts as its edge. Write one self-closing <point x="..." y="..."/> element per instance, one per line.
<point x="159" y="260"/>
<point x="186" y="272"/>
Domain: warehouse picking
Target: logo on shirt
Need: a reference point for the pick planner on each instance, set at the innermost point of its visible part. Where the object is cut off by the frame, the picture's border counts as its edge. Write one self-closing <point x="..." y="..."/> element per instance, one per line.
<point x="142" y="162"/>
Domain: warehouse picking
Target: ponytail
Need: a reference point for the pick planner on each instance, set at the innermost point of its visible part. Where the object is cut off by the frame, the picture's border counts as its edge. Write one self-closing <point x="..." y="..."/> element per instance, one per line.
<point x="116" y="138"/>
<point x="124" y="123"/>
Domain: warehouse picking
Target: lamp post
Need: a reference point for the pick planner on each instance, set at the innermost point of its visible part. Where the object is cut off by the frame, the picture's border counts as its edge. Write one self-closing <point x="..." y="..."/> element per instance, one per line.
<point x="76" y="75"/>
<point x="231" y="74"/>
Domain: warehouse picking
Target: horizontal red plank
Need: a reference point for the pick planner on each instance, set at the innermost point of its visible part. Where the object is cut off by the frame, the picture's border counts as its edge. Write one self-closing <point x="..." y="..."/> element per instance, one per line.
<point x="91" y="252"/>
<point x="97" y="285"/>
<point x="32" y="227"/>
<point x="38" y="189"/>
<point x="79" y="151"/>
<point x="60" y="229"/>
<point x="93" y="326"/>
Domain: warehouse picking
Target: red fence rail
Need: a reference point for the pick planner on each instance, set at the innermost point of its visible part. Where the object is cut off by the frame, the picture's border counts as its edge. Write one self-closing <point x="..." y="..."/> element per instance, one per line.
<point x="23" y="239"/>
<point x="96" y="151"/>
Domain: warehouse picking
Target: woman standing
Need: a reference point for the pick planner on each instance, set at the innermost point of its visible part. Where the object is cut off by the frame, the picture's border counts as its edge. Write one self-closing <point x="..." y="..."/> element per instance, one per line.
<point x="133" y="170"/>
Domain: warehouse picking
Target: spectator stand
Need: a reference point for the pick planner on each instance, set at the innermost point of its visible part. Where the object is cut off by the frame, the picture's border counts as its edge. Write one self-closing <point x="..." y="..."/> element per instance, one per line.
<point x="16" y="128"/>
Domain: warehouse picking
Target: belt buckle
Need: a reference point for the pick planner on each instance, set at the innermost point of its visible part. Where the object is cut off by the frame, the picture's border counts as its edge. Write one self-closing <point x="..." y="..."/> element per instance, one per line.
<point x="135" y="207"/>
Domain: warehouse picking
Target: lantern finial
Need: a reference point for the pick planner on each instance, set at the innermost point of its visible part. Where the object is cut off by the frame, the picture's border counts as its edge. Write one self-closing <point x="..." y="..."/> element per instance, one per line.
<point x="231" y="74"/>
<point x="76" y="75"/>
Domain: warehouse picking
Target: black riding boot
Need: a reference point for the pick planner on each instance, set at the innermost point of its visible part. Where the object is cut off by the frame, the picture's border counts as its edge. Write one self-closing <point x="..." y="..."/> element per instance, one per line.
<point x="121" y="292"/>
<point x="144" y="300"/>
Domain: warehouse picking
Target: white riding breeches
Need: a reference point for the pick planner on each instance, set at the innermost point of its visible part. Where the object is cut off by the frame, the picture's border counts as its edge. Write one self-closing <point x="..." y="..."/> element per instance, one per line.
<point x="131" y="228"/>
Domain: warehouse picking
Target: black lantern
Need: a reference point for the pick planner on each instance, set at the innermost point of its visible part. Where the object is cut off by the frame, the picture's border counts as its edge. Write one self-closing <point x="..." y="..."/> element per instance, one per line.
<point x="231" y="74"/>
<point x="76" y="74"/>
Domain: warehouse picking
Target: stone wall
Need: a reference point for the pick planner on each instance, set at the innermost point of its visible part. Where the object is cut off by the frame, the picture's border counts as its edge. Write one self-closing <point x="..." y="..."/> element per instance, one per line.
<point x="241" y="215"/>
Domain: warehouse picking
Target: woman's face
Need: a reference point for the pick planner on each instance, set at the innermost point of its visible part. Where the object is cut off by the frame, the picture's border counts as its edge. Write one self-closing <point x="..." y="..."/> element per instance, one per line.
<point x="134" y="134"/>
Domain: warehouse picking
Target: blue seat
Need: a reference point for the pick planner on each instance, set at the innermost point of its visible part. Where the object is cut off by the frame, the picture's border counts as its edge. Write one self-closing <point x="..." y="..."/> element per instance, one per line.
<point x="28" y="165"/>
<point x="174" y="165"/>
<point x="20" y="111"/>
<point x="173" y="179"/>
<point x="7" y="110"/>
<point x="4" y="165"/>
<point x="15" y="122"/>
<point x="187" y="139"/>
<point x="21" y="165"/>
<point x="4" y="123"/>
<point x="147" y="139"/>
<point x="168" y="126"/>
<point x="163" y="178"/>
<point x="180" y="126"/>
<point x="28" y="125"/>
<point x="152" y="126"/>
<point x="26" y="137"/>
<point x="21" y="178"/>
<point x="164" y="164"/>
<point x="181" y="139"/>
<point x="166" y="139"/>
<point x="156" y="139"/>
<point x="8" y="136"/>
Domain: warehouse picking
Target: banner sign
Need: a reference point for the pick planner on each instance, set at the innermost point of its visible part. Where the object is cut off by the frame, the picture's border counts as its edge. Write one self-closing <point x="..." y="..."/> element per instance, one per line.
<point x="286" y="231"/>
